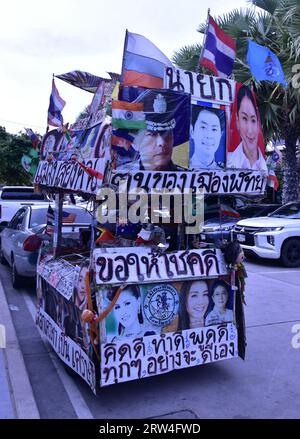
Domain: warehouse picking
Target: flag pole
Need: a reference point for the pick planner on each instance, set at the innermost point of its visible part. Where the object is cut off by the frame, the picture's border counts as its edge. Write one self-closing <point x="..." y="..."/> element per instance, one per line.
<point x="123" y="58"/>
<point x="205" y="36"/>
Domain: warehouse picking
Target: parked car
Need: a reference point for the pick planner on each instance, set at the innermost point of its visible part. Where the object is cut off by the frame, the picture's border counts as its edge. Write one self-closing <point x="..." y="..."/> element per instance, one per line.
<point x="217" y="230"/>
<point x="276" y="236"/>
<point x="14" y="197"/>
<point x="21" y="238"/>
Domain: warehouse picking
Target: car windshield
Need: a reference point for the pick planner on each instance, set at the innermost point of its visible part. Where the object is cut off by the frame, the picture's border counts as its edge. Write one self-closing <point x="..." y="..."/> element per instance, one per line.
<point x="291" y="211"/>
<point x="39" y="216"/>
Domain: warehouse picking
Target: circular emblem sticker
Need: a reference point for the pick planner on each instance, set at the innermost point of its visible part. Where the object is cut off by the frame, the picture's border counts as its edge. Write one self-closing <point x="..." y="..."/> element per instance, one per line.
<point x="128" y="115"/>
<point x="161" y="304"/>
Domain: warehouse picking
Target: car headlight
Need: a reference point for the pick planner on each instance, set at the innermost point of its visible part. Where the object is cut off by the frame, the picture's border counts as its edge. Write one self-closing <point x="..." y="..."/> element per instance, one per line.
<point x="209" y="229"/>
<point x="270" y="229"/>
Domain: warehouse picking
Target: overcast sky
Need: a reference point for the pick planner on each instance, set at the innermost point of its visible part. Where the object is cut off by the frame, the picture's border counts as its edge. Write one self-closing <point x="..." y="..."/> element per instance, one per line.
<point x="38" y="38"/>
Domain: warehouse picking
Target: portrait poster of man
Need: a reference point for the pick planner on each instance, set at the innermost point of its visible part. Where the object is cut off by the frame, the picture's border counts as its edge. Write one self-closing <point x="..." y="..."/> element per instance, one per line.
<point x="246" y="142"/>
<point x="163" y="143"/>
<point x="207" y="138"/>
<point x="51" y="143"/>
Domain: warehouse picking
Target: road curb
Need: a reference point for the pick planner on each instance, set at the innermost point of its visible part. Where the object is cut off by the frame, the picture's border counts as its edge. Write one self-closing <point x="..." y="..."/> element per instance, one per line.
<point x="21" y="391"/>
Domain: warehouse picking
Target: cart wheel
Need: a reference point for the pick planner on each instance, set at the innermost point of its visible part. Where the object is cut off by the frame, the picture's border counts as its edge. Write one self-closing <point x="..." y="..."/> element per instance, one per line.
<point x="16" y="278"/>
<point x="3" y="261"/>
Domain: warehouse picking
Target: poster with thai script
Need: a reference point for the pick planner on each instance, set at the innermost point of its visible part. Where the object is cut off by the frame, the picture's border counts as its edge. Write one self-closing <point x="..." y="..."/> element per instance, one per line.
<point x="141" y="265"/>
<point x="157" y="354"/>
<point x="201" y="87"/>
<point x="85" y="176"/>
<point x="246" y="143"/>
<point x="68" y="351"/>
<point x="230" y="181"/>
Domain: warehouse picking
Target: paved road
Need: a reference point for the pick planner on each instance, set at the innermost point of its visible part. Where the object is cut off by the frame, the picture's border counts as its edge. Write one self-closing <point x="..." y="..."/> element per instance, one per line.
<point x="265" y="385"/>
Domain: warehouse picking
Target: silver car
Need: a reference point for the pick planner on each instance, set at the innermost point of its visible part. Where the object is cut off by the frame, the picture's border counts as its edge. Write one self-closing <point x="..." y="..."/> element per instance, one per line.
<point x="20" y="243"/>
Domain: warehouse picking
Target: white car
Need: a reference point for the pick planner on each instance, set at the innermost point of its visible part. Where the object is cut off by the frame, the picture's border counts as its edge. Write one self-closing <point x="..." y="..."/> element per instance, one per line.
<point x="276" y="236"/>
<point x="12" y="198"/>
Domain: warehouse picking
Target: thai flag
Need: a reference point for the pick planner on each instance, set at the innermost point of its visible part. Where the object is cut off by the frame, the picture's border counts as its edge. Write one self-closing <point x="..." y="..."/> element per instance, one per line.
<point x="56" y="106"/>
<point x="219" y="51"/>
<point x="272" y="180"/>
<point x="33" y="137"/>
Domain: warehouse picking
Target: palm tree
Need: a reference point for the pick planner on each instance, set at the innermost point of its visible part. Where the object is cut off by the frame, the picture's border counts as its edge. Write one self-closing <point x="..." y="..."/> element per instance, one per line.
<point x="275" y="25"/>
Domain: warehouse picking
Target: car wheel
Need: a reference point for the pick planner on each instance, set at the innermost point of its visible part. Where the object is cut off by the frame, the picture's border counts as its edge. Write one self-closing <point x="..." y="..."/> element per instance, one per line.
<point x="16" y="278"/>
<point x="290" y="254"/>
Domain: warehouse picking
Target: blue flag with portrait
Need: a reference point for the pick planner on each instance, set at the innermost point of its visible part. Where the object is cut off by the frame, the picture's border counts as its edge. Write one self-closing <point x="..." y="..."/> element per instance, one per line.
<point x="264" y="64"/>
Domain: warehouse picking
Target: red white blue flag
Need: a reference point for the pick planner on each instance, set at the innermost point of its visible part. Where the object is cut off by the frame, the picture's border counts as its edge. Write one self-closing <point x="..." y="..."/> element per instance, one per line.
<point x="56" y="106"/>
<point x="219" y="51"/>
<point x="33" y="137"/>
<point x="143" y="62"/>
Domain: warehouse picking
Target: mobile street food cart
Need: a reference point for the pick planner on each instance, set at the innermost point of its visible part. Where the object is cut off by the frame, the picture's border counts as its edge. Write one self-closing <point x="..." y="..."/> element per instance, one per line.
<point x="116" y="304"/>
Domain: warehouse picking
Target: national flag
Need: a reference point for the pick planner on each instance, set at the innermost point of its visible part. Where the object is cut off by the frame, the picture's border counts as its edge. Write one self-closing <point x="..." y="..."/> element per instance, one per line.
<point x="84" y="80"/>
<point x="228" y="211"/>
<point x="122" y="139"/>
<point x="33" y="137"/>
<point x="264" y="64"/>
<point x="50" y="221"/>
<point x="127" y="229"/>
<point x="143" y="63"/>
<point x="88" y="82"/>
<point x="56" y="106"/>
<point x="68" y="218"/>
<point x="272" y="180"/>
<point x="122" y="142"/>
<point x="102" y="235"/>
<point x="219" y="50"/>
<point x="128" y="115"/>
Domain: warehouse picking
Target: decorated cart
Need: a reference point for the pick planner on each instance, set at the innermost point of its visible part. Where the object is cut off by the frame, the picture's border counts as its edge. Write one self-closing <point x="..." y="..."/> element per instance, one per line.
<point x="135" y="293"/>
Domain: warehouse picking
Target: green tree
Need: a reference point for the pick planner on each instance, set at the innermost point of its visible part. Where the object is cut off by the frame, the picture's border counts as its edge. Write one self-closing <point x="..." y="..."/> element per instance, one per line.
<point x="275" y="25"/>
<point x="12" y="148"/>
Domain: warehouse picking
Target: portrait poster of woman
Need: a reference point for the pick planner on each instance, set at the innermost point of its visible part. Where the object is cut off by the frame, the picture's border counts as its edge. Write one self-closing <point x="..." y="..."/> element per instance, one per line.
<point x="221" y="303"/>
<point x="126" y="319"/>
<point x="204" y="302"/>
<point x="246" y="143"/>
